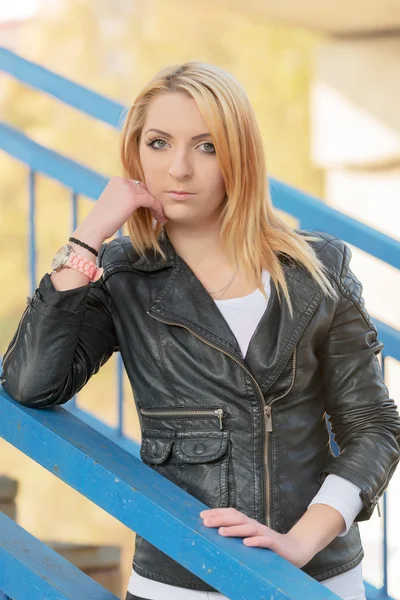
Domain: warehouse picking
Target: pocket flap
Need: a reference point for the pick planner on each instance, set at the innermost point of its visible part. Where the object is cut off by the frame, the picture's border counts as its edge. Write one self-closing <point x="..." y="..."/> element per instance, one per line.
<point x="155" y="450"/>
<point x="202" y="447"/>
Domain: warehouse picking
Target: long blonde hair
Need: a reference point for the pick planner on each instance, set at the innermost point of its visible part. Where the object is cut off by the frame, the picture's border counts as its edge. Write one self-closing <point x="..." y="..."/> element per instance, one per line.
<point x="251" y="230"/>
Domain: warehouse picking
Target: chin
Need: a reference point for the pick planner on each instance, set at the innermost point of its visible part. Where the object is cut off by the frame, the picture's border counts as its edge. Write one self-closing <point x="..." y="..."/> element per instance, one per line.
<point x="178" y="213"/>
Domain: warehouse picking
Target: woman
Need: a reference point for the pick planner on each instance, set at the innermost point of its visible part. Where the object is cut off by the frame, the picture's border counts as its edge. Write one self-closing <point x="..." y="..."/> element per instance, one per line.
<point x="237" y="333"/>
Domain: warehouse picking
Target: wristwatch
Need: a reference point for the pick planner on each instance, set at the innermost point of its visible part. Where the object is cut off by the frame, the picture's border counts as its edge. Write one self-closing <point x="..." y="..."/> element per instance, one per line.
<point x="67" y="257"/>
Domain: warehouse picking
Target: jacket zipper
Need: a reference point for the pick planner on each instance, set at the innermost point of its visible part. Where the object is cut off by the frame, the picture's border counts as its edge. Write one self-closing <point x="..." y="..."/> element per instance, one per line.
<point x="8" y="355"/>
<point x="382" y="487"/>
<point x="269" y="429"/>
<point x="211" y="412"/>
<point x="267" y="407"/>
<point x="388" y="475"/>
<point x="263" y="406"/>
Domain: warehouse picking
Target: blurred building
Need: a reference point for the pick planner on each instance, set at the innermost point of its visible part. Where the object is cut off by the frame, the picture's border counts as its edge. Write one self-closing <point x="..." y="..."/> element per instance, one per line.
<point x="14" y="18"/>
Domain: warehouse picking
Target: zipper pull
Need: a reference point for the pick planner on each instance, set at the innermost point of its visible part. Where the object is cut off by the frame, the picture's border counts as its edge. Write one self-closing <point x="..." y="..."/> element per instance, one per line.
<point x="268" y="417"/>
<point x="379" y="509"/>
<point x="220" y="413"/>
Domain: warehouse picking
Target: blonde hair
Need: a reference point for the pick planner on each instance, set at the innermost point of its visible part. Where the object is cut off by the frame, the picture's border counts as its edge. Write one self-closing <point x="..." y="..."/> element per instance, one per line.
<point x="251" y="230"/>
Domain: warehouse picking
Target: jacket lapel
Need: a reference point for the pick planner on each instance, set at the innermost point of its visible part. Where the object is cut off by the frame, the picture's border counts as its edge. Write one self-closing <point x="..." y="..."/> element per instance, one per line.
<point x="277" y="333"/>
<point x="184" y="300"/>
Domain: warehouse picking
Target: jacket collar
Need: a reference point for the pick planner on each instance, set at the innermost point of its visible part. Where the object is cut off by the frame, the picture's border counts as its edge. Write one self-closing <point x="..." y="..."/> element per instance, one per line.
<point x="151" y="261"/>
<point x="185" y="302"/>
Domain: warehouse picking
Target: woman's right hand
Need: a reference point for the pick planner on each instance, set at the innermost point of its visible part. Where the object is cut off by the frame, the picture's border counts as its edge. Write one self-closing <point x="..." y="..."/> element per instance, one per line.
<point x="119" y="199"/>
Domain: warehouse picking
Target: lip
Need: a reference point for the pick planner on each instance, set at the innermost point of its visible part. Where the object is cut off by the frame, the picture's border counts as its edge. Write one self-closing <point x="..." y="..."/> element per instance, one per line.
<point x="179" y="192"/>
<point x="179" y="195"/>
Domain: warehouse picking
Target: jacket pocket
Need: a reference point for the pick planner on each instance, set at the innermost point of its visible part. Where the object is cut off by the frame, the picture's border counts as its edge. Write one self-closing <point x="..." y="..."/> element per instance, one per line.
<point x="216" y="414"/>
<point x="204" y="465"/>
<point x="155" y="450"/>
<point x="197" y="462"/>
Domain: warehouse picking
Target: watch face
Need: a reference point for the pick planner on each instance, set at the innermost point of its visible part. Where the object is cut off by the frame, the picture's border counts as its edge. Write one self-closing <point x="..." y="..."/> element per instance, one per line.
<point x="60" y="258"/>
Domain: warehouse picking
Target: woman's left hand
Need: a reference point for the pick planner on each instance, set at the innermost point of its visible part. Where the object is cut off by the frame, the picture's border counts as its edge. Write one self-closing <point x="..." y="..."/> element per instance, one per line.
<point x="232" y="523"/>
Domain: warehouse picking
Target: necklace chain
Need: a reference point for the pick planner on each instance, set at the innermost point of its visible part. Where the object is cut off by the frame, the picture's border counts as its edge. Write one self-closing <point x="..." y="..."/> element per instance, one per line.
<point x="223" y="290"/>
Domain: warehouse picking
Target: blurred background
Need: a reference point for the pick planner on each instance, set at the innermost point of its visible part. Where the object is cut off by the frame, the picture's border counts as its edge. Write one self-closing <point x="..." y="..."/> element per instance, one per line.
<point x="326" y="90"/>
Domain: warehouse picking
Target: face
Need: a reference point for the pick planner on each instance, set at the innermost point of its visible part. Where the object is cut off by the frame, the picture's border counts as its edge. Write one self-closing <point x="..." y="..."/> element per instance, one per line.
<point x="182" y="158"/>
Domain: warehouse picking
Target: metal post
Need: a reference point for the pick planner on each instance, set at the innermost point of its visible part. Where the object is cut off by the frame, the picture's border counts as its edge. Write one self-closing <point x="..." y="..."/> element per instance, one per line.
<point x="120" y="382"/>
<point x="74" y="224"/>
<point x="385" y="523"/>
<point x="385" y="545"/>
<point x="32" y="232"/>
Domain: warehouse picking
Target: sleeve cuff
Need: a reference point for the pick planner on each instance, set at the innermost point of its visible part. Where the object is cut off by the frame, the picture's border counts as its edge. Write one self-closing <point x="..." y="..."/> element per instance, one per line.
<point x="343" y="495"/>
<point x="73" y="300"/>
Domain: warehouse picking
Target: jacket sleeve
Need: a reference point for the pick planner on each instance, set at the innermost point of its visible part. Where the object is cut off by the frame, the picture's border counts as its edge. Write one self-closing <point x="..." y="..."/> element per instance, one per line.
<point x="364" y="420"/>
<point x="63" y="338"/>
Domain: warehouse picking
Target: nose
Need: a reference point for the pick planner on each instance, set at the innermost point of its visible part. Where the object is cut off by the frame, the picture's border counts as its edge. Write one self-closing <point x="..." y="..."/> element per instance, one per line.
<point x="180" y="167"/>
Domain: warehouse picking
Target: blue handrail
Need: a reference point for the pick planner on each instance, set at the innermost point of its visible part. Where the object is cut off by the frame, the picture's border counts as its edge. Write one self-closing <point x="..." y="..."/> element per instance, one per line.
<point x="73" y="94"/>
<point x="83" y="180"/>
<point x="30" y="569"/>
<point x="314" y="214"/>
<point x="149" y="504"/>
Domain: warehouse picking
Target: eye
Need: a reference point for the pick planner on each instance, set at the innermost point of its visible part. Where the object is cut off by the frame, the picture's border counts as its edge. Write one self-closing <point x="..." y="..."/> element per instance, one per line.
<point x="212" y="147"/>
<point x="151" y="141"/>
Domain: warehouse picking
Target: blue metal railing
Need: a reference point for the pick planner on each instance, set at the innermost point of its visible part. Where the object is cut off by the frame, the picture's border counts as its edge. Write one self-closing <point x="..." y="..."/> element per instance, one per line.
<point x="58" y="578"/>
<point x="41" y="79"/>
<point x="144" y="501"/>
<point x="81" y="180"/>
<point x="313" y="214"/>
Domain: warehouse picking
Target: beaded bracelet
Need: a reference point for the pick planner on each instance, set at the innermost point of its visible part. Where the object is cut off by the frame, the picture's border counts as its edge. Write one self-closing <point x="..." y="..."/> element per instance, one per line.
<point x="92" y="250"/>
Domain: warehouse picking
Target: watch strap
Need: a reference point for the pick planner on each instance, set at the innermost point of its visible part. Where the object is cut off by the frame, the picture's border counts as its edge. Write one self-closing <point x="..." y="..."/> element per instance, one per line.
<point x="85" y="266"/>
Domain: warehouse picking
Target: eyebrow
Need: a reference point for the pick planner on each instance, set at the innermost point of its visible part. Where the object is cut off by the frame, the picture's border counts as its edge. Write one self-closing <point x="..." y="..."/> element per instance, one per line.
<point x="195" y="137"/>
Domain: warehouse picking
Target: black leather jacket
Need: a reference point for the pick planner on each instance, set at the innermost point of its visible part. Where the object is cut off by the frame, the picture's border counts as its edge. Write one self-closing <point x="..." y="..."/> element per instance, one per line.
<point x="248" y="433"/>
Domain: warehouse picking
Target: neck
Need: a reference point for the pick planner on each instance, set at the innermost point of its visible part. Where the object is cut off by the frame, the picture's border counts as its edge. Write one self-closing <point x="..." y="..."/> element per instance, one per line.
<point x="199" y="247"/>
<point x="202" y="250"/>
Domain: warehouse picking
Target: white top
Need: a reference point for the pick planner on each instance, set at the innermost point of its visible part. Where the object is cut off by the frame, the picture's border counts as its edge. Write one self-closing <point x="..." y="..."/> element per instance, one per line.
<point x="243" y="315"/>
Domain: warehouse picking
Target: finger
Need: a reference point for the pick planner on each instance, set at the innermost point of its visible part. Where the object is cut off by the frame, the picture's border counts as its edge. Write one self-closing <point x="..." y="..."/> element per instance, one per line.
<point x="212" y="512"/>
<point x="248" y="530"/>
<point x="161" y="215"/>
<point x="138" y="183"/>
<point x="158" y="206"/>
<point x="260" y="541"/>
<point x="226" y="520"/>
<point x="158" y="216"/>
<point x="154" y="205"/>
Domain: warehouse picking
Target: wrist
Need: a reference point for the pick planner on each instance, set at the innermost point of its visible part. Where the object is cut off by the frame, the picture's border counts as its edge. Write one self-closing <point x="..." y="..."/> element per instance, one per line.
<point x="89" y="237"/>
<point x="309" y="546"/>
